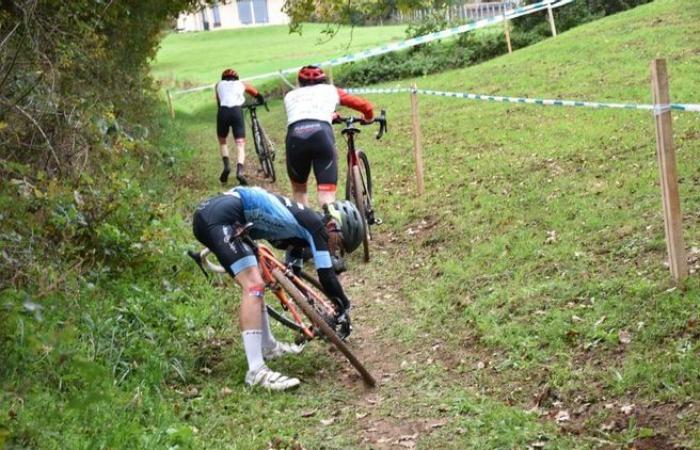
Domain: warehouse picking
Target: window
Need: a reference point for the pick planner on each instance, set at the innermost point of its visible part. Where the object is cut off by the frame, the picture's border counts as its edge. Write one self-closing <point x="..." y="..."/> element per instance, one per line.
<point x="245" y="12"/>
<point x="216" y="14"/>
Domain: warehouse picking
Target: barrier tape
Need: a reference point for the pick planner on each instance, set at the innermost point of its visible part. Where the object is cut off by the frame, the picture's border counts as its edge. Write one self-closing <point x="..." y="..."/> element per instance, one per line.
<point x="657" y="109"/>
<point x="402" y="45"/>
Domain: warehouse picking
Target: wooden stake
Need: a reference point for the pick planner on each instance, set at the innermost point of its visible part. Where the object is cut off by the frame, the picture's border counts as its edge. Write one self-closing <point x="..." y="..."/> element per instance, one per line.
<point x="170" y="104"/>
<point x="673" y="220"/>
<point x="329" y="71"/>
<point x="506" y="27"/>
<point x="551" y="20"/>
<point x="417" y="146"/>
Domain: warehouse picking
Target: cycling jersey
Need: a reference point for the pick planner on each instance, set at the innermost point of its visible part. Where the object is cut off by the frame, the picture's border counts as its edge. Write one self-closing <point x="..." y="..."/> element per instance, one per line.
<point x="318" y="102"/>
<point x="276" y="219"/>
<point x="230" y="92"/>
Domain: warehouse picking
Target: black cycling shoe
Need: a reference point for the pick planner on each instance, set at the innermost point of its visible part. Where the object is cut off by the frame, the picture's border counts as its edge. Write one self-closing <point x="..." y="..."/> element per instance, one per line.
<point x="239" y="175"/>
<point x="344" y="325"/>
<point x="224" y="175"/>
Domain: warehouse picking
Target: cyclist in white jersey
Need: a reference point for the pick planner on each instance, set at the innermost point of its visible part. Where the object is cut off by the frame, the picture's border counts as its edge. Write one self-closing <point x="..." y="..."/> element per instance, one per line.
<point x="229" y="98"/>
<point x="310" y="142"/>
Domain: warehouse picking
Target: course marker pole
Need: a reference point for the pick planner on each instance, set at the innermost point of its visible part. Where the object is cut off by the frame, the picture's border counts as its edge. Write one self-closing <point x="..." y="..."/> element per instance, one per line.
<point x="506" y="27"/>
<point x="417" y="145"/>
<point x="673" y="220"/>
<point x="329" y="71"/>
<point x="170" y="104"/>
<point x="551" y="20"/>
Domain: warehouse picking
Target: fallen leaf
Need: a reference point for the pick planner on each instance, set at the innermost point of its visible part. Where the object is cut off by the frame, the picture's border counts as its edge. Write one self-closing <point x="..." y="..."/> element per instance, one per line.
<point x="326" y="422"/>
<point x="225" y="391"/>
<point x="627" y="409"/>
<point x="625" y="337"/>
<point x="360" y="415"/>
<point x="600" y="321"/>
<point x="308" y="413"/>
<point x="562" y="416"/>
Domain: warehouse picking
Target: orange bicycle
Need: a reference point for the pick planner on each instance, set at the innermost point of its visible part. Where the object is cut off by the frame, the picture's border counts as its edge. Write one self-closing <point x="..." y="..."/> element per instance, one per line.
<point x="306" y="294"/>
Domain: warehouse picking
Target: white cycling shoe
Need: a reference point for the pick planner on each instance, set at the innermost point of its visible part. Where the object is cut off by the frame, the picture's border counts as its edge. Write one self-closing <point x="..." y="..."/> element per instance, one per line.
<point x="281" y="349"/>
<point x="269" y="379"/>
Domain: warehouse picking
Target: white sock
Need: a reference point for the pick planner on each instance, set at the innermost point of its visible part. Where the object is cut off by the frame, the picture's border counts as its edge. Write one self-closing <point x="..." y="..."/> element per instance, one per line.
<point x="268" y="340"/>
<point x="252" y="344"/>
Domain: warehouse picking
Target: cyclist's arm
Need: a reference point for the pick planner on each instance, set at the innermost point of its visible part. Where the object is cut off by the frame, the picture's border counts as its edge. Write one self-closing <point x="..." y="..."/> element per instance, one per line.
<point x="357" y="103"/>
<point x="250" y="90"/>
<point x="331" y="285"/>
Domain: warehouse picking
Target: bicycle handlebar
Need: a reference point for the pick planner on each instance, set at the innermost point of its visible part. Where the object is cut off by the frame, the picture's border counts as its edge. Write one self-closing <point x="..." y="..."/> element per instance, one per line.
<point x="349" y="120"/>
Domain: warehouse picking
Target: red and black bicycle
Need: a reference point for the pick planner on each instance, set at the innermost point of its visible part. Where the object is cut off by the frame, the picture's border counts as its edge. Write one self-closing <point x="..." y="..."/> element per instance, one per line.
<point x="358" y="184"/>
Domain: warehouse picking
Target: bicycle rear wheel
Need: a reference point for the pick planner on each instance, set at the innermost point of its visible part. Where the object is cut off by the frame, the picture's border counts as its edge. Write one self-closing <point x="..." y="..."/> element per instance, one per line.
<point x="258" y="143"/>
<point x="268" y="156"/>
<point x="321" y="324"/>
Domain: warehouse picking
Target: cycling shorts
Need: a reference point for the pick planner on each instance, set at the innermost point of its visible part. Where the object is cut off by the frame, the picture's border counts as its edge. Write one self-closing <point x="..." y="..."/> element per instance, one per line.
<point x="311" y="143"/>
<point x="212" y="227"/>
<point x="230" y="117"/>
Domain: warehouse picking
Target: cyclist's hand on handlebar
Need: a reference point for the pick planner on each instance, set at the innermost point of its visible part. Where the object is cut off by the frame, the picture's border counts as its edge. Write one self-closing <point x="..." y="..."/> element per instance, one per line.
<point x="260" y="98"/>
<point x="335" y="117"/>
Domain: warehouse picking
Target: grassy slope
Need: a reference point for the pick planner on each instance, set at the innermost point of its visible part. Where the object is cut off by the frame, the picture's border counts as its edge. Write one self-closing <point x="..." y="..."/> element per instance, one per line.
<point x="467" y="313"/>
<point x="542" y="315"/>
<point x="199" y="57"/>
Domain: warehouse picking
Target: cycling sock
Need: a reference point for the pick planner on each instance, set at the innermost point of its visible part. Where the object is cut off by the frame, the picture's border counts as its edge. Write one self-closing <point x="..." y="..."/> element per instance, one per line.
<point x="252" y="344"/>
<point x="268" y="340"/>
<point x="227" y="169"/>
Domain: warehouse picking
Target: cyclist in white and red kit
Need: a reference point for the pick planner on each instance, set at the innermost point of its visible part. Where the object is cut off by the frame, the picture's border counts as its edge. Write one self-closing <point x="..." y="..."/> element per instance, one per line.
<point x="229" y="98"/>
<point x="310" y="142"/>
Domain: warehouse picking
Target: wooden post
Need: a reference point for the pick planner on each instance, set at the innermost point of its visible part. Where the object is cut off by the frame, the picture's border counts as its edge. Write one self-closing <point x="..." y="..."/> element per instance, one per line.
<point x="551" y="20"/>
<point x="673" y="220"/>
<point x="506" y="27"/>
<point x="329" y="71"/>
<point x="170" y="104"/>
<point x="417" y="145"/>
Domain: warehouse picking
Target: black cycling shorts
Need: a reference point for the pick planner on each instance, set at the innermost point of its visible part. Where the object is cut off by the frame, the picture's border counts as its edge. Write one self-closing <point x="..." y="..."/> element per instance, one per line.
<point x="230" y="117"/>
<point x="311" y="142"/>
<point x="212" y="227"/>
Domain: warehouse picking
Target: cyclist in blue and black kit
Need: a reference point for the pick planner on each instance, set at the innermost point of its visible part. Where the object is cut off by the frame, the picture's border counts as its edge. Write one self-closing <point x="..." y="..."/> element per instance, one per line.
<point x="284" y="224"/>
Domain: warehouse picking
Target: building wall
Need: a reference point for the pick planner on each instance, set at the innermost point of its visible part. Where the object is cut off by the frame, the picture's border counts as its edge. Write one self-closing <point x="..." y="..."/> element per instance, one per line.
<point x="228" y="12"/>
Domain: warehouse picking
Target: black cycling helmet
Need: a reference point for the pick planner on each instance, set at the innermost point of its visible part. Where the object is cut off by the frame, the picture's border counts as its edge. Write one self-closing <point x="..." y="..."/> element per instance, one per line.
<point x="342" y="216"/>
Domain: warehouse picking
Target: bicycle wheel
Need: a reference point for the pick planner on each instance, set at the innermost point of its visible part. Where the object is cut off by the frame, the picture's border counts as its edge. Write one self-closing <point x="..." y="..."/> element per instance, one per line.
<point x="258" y="143"/>
<point x="321" y="324"/>
<point x="366" y="178"/>
<point x="268" y="156"/>
<point x="359" y="200"/>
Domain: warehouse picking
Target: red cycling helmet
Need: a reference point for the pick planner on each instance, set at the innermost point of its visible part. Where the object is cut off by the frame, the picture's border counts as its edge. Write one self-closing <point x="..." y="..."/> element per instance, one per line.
<point x="309" y="75"/>
<point x="229" y="74"/>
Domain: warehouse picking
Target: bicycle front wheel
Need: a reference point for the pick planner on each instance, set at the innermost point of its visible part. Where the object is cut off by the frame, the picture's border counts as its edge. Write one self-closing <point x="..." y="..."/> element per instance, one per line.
<point x="302" y="301"/>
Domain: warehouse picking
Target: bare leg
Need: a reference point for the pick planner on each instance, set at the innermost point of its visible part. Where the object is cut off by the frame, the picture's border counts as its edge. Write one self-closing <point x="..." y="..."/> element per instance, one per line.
<point x="240" y="148"/>
<point x="325" y="196"/>
<point x="223" y="149"/>
<point x="299" y="193"/>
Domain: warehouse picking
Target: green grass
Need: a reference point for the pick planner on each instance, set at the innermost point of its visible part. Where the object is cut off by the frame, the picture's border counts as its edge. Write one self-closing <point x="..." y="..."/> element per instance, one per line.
<point x="538" y="241"/>
<point x="199" y="58"/>
<point x="500" y="180"/>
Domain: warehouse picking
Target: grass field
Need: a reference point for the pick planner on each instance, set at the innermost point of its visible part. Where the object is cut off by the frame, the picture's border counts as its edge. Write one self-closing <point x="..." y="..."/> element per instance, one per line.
<point x="504" y="298"/>
<point x="199" y="58"/>
<point x="522" y="302"/>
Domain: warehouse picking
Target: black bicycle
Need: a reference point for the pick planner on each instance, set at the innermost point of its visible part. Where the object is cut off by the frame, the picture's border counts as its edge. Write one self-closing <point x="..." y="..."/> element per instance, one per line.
<point x="358" y="184"/>
<point x="264" y="147"/>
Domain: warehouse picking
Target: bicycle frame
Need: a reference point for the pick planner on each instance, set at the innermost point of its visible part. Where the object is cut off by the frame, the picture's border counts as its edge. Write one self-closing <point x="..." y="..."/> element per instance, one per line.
<point x="268" y="263"/>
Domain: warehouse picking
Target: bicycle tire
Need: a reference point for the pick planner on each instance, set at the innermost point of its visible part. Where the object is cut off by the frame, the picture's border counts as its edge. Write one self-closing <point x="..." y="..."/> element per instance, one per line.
<point x="268" y="158"/>
<point x="311" y="313"/>
<point x="366" y="184"/>
<point x="359" y="201"/>
<point x="282" y="319"/>
<point x="257" y="143"/>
